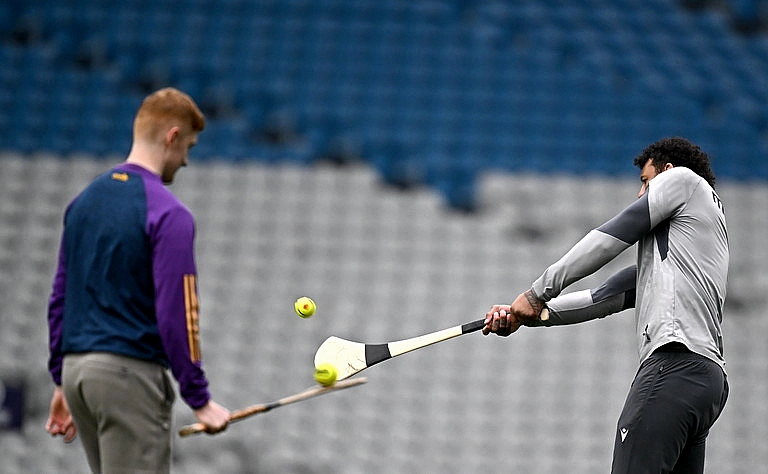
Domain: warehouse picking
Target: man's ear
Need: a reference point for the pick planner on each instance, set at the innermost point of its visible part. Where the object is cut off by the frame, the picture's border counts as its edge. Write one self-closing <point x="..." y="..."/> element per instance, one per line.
<point x="668" y="166"/>
<point x="171" y="135"/>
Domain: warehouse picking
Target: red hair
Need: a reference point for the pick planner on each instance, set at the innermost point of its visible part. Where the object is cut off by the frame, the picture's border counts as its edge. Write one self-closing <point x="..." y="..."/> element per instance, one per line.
<point x="167" y="108"/>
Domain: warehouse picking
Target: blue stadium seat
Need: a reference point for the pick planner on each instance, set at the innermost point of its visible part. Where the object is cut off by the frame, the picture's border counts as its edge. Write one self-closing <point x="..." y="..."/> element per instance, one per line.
<point x="570" y="87"/>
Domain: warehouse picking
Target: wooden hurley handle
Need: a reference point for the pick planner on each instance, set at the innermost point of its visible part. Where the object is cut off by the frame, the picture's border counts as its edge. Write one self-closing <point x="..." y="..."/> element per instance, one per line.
<point x="246" y="412"/>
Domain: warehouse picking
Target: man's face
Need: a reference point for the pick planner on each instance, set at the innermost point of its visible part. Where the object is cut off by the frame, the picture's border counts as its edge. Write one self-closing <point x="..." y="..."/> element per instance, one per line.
<point x="647" y="174"/>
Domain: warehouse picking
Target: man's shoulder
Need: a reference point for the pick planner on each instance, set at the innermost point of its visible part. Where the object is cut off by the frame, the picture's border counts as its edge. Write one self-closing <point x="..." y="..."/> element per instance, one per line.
<point x="161" y="204"/>
<point x="160" y="197"/>
<point x="681" y="179"/>
<point x="162" y="201"/>
<point x="681" y="174"/>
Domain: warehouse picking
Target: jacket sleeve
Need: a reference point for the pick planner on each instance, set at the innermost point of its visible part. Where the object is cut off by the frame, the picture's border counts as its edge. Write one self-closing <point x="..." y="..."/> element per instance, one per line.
<point x="56" y="317"/>
<point x="176" y="303"/>
<point x="616" y="294"/>
<point x="598" y="247"/>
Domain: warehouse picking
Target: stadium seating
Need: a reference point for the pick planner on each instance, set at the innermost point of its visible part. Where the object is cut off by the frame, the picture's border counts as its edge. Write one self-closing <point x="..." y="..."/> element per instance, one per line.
<point x="430" y="93"/>
<point x="382" y="265"/>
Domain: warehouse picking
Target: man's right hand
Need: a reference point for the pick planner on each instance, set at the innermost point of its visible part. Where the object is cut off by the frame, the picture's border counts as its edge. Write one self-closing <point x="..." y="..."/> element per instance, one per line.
<point x="503" y="319"/>
<point x="500" y="321"/>
<point x="214" y="416"/>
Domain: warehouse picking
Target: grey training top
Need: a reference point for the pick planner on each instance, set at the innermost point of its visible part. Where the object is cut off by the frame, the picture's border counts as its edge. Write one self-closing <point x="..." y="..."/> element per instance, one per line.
<point x="678" y="286"/>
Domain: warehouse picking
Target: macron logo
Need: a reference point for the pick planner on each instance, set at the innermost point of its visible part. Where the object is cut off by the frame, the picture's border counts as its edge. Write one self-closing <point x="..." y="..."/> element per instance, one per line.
<point x="624" y="432"/>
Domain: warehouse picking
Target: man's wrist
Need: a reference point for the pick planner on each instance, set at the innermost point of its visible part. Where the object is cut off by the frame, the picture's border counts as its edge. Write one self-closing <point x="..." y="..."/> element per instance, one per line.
<point x="536" y="303"/>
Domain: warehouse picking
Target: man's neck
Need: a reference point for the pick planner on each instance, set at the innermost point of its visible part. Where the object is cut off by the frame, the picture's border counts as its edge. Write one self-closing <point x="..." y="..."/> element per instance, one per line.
<point x="143" y="156"/>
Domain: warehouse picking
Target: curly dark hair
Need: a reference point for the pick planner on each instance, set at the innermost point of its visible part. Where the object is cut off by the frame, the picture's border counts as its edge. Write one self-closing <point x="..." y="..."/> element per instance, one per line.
<point x="680" y="152"/>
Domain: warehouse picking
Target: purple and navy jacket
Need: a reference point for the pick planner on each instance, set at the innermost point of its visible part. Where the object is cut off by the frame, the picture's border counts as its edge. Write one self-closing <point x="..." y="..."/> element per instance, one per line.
<point x="126" y="281"/>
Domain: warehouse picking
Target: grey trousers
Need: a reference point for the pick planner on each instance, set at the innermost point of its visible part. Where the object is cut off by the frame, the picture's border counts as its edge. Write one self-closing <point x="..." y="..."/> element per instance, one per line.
<point x="122" y="409"/>
<point x="674" y="400"/>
